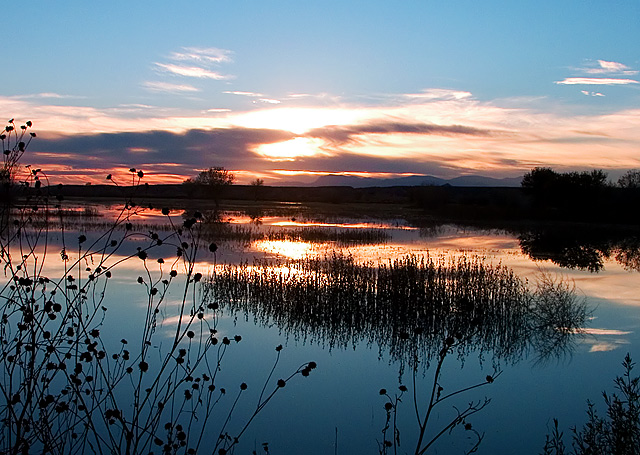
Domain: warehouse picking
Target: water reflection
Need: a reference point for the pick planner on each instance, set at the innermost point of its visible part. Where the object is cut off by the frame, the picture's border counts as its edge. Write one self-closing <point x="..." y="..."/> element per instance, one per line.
<point x="217" y="225"/>
<point x="582" y="248"/>
<point x="406" y="307"/>
<point x="409" y="308"/>
<point x="287" y="248"/>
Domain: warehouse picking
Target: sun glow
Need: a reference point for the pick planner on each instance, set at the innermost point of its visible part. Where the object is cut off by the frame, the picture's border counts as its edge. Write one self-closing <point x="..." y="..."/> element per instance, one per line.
<point x="298" y="120"/>
<point x="289" y="150"/>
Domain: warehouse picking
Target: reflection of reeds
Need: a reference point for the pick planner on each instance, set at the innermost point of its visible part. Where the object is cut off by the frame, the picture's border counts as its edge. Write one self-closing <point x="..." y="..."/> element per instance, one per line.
<point x="407" y="306"/>
<point x="340" y="237"/>
<point x="90" y="219"/>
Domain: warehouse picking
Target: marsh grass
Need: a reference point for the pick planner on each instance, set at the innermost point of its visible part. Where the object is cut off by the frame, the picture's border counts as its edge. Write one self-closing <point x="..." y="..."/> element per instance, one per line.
<point x="342" y="237"/>
<point x="214" y="226"/>
<point x="407" y="306"/>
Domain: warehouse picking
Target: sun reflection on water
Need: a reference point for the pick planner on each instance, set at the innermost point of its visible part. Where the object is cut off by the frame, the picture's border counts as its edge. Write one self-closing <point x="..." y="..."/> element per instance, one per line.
<point x="286" y="248"/>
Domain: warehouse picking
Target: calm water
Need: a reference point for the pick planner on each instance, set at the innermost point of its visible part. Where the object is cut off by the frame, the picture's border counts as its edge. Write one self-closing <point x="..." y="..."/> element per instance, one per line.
<point x="339" y="403"/>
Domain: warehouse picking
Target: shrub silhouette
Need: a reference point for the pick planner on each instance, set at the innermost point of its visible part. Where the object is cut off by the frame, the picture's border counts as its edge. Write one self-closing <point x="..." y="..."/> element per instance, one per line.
<point x="631" y="179"/>
<point x="14" y="143"/>
<point x="617" y="433"/>
<point x="210" y="183"/>
<point x="572" y="195"/>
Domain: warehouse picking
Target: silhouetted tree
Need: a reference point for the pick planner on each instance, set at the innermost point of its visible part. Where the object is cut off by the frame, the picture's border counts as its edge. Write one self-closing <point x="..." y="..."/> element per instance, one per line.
<point x="594" y="179"/>
<point x="213" y="180"/>
<point x="214" y="176"/>
<point x="544" y="178"/>
<point x="540" y="178"/>
<point x="574" y="195"/>
<point x="631" y="179"/>
<point x="257" y="184"/>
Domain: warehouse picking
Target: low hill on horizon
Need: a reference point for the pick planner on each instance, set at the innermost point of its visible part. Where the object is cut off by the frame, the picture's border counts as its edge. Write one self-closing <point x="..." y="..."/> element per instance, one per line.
<point x="415" y="180"/>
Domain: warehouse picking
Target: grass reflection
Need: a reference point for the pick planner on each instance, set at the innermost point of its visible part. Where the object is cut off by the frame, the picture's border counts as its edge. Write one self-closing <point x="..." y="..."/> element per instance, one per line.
<point x="406" y="307"/>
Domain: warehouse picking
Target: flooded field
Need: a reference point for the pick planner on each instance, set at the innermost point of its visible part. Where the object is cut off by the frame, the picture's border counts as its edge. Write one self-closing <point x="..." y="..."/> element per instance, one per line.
<point x="164" y="330"/>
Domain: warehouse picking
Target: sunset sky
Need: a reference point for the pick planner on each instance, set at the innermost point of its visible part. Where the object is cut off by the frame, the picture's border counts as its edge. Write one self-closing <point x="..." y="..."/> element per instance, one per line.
<point x="289" y="91"/>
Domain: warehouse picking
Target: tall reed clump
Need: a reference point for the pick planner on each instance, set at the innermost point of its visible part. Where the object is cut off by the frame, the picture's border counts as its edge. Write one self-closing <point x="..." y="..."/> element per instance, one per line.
<point x="69" y="383"/>
<point x="407" y="306"/>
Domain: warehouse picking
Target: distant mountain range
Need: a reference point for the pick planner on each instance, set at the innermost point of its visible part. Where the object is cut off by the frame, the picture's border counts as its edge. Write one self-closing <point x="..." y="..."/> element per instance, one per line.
<point x="415" y="180"/>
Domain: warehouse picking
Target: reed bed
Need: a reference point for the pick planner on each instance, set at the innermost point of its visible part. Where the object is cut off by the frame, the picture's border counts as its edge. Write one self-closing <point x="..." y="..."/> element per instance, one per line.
<point x="340" y="237"/>
<point x="407" y="307"/>
<point x="214" y="228"/>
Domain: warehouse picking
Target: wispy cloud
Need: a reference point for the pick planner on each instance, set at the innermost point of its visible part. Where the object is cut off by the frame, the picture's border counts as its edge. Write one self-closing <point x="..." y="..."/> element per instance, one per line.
<point x="604" y="346"/>
<point x="595" y="81"/>
<point x="44" y="95"/>
<point x="210" y="55"/>
<point x="440" y="94"/>
<point x="614" y="71"/>
<point x="594" y="331"/>
<point x="168" y="87"/>
<point x="241" y="93"/>
<point x="192" y="71"/>
<point x="196" y="62"/>
<point x="606" y="67"/>
<point x="253" y="95"/>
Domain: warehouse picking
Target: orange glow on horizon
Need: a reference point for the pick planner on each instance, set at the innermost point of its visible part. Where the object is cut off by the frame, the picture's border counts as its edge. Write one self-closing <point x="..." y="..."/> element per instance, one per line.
<point x="516" y="140"/>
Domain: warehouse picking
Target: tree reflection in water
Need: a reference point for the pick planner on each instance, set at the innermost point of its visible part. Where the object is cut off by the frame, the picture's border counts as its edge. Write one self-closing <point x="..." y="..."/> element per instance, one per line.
<point x="582" y="248"/>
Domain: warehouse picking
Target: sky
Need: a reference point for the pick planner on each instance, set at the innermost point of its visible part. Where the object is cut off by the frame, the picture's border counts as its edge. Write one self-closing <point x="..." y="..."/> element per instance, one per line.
<point x="289" y="91"/>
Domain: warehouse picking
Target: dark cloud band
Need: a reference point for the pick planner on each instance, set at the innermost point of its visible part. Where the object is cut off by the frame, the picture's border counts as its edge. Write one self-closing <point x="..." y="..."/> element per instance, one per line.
<point x="342" y="134"/>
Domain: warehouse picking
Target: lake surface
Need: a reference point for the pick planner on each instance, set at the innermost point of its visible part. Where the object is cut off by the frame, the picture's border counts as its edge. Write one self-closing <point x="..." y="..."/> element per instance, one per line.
<point x="338" y="407"/>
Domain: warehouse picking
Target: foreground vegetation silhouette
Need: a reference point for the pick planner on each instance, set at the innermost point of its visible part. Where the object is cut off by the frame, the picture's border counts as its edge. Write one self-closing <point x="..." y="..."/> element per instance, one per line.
<point x="615" y="433"/>
<point x="69" y="384"/>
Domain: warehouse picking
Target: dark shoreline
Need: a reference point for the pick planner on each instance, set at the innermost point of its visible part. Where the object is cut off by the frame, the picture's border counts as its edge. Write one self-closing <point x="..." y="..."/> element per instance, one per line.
<point x="616" y="206"/>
